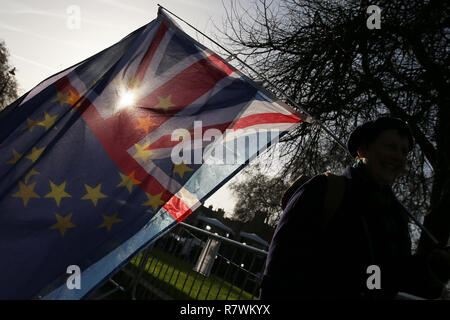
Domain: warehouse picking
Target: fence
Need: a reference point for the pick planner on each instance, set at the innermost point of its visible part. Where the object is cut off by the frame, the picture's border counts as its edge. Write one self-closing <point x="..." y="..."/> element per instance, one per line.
<point x="189" y="263"/>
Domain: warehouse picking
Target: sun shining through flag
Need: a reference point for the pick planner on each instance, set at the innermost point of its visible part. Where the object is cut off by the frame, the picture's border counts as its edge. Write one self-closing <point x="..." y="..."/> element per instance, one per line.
<point x="87" y="170"/>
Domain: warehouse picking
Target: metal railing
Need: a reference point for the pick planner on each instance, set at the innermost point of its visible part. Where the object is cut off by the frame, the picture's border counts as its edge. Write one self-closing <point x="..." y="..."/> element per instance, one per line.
<point x="190" y="263"/>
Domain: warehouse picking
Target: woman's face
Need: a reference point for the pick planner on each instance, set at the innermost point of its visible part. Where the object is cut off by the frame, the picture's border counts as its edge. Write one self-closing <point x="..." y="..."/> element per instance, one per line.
<point x="385" y="158"/>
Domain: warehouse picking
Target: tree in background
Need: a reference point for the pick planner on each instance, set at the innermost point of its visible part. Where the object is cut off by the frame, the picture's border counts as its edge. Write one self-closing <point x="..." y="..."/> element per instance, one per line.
<point x="258" y="195"/>
<point x="8" y="83"/>
<point x="323" y="55"/>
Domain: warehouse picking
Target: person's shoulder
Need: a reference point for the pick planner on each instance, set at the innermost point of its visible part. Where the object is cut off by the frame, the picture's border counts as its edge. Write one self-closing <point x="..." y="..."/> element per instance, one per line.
<point x="316" y="184"/>
<point x="307" y="199"/>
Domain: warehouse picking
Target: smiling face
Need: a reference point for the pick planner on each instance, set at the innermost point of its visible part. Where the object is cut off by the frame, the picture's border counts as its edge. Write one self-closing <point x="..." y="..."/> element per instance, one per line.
<point x="385" y="157"/>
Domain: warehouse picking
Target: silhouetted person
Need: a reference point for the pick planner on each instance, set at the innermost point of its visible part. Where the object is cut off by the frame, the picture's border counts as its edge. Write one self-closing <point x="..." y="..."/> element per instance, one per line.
<point x="315" y="256"/>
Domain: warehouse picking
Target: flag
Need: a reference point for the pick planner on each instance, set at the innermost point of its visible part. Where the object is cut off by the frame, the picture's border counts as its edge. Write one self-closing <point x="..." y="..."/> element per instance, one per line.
<point x="102" y="159"/>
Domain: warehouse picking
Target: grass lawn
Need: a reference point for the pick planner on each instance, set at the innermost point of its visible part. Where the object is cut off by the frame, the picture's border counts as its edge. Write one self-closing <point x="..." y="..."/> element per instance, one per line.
<point x="177" y="278"/>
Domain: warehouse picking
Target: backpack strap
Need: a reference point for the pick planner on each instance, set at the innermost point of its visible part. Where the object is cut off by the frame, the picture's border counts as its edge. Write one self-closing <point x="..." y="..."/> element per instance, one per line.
<point x="333" y="196"/>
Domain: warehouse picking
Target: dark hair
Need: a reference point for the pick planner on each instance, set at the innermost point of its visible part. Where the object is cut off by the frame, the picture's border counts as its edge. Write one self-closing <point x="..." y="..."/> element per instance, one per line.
<point x="369" y="131"/>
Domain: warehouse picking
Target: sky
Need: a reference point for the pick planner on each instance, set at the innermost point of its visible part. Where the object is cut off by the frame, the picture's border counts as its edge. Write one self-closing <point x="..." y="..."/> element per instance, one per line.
<point x="44" y="37"/>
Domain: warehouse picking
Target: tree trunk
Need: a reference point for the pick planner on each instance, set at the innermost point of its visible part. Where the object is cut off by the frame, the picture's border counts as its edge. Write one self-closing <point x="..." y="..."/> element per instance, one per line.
<point x="438" y="220"/>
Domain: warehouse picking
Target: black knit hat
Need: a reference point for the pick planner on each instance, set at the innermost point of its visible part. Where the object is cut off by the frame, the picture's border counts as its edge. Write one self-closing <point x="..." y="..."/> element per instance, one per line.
<point x="369" y="131"/>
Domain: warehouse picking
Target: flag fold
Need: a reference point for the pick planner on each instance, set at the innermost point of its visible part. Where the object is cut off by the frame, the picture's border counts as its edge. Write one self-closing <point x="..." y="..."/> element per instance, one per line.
<point x="102" y="159"/>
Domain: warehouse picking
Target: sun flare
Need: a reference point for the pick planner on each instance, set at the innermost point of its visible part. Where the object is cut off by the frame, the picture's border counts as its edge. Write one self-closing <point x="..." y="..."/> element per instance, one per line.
<point x="127" y="99"/>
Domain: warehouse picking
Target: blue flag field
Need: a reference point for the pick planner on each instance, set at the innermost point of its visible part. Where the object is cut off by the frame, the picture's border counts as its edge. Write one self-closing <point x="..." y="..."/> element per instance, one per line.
<point x="102" y="159"/>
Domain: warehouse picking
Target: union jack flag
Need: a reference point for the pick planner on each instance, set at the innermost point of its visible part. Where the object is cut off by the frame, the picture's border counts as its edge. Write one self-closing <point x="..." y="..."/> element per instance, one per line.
<point x="87" y="170"/>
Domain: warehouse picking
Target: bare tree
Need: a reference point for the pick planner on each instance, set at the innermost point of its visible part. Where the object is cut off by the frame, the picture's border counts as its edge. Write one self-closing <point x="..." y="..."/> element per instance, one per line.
<point x="324" y="56"/>
<point x="258" y="195"/>
<point x="8" y="83"/>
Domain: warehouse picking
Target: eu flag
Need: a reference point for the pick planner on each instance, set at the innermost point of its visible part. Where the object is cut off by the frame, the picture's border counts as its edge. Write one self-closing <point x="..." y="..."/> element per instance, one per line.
<point x="103" y="158"/>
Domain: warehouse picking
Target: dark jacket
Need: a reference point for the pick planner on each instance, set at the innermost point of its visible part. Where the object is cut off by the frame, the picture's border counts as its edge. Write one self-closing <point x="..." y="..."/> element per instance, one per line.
<point x="309" y="260"/>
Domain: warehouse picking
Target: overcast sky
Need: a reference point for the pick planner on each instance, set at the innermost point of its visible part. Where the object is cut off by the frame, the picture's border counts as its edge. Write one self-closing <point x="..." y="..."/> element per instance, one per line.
<point x="44" y="38"/>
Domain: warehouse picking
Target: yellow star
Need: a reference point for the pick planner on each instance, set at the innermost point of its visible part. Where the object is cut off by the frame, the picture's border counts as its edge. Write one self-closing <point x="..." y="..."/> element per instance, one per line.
<point x="128" y="181"/>
<point x="26" y="192"/>
<point x="133" y="82"/>
<point x="61" y="98"/>
<point x="30" y="174"/>
<point x="108" y="221"/>
<point x="145" y="123"/>
<point x="35" y="154"/>
<point x="165" y="103"/>
<point x="154" y="201"/>
<point x="181" y="169"/>
<point x="63" y="223"/>
<point x="57" y="192"/>
<point x="73" y="98"/>
<point x="48" y="121"/>
<point x="30" y="124"/>
<point x="93" y="194"/>
<point x="142" y="152"/>
<point x="16" y="157"/>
